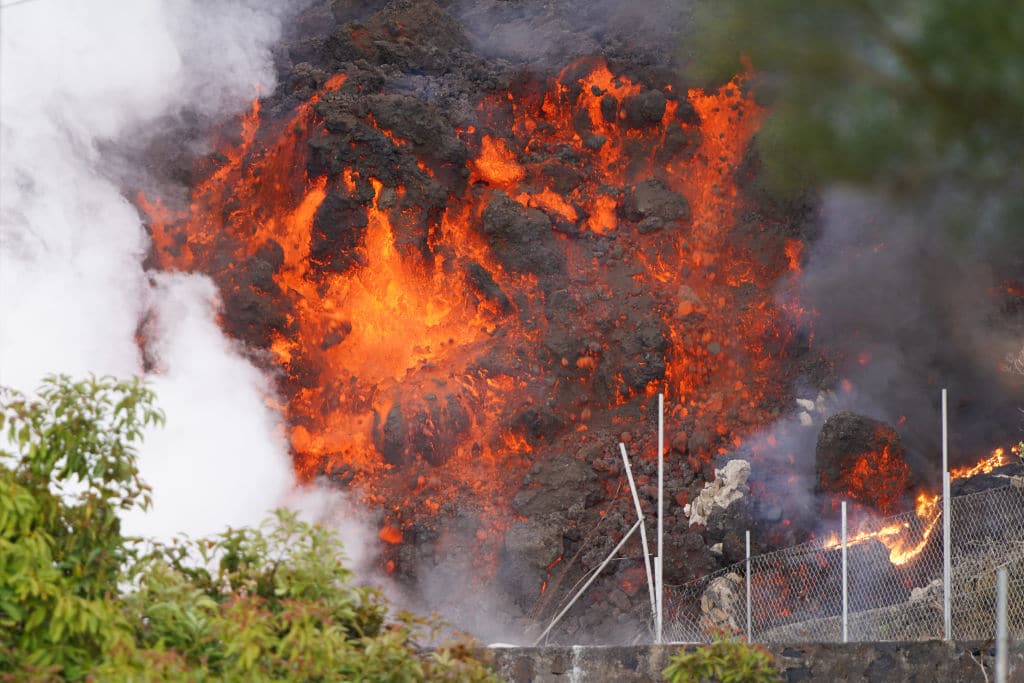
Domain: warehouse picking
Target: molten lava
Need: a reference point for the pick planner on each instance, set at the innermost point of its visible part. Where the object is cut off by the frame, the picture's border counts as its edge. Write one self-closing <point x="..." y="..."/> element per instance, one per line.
<point x="879" y="479"/>
<point x="416" y="346"/>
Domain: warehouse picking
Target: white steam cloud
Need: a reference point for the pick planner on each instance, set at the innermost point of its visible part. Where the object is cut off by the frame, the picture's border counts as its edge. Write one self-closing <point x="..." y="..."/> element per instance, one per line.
<point x="75" y="76"/>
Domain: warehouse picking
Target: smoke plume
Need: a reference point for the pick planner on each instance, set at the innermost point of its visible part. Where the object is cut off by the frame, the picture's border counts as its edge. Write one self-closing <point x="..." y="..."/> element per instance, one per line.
<point x="907" y="309"/>
<point x="78" y="79"/>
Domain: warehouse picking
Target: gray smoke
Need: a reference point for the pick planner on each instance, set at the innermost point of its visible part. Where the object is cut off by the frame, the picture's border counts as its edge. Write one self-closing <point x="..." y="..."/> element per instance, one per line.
<point x="908" y="309"/>
<point x="552" y="34"/>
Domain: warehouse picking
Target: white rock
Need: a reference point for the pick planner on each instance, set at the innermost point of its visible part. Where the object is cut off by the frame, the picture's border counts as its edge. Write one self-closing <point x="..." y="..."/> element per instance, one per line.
<point x="730" y="485"/>
<point x="716" y="548"/>
<point x="932" y="591"/>
<point x="722" y="603"/>
<point x="686" y="509"/>
<point x="805" y="419"/>
<point x="805" y="403"/>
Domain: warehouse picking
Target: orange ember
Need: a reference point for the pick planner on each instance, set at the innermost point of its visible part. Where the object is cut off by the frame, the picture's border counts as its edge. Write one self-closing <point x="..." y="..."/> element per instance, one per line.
<point x="410" y="345"/>
<point x="878" y="479"/>
<point x="390" y="534"/>
<point x="496" y="164"/>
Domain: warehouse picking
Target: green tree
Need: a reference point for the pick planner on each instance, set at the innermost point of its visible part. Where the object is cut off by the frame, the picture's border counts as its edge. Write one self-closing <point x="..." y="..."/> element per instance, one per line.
<point x="70" y="470"/>
<point x="922" y="99"/>
<point x="80" y="601"/>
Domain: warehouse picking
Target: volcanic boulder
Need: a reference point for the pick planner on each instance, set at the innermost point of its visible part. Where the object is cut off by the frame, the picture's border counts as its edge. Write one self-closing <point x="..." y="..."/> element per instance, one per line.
<point x="652" y="200"/>
<point x="537" y="543"/>
<point x="646" y="109"/>
<point x="522" y="238"/>
<point x="862" y="460"/>
<point x="553" y="486"/>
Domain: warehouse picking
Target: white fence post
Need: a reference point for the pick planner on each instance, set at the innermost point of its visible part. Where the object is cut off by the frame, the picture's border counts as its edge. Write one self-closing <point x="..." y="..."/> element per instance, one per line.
<point x="1001" y="599"/>
<point x="845" y="594"/>
<point x="643" y="528"/>
<point x="947" y="558"/>
<point x="658" y="564"/>
<point x="750" y="632"/>
<point x="593" y="577"/>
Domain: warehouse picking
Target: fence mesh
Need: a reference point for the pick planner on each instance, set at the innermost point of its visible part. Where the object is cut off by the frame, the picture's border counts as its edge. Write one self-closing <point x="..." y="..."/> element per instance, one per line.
<point x="894" y="580"/>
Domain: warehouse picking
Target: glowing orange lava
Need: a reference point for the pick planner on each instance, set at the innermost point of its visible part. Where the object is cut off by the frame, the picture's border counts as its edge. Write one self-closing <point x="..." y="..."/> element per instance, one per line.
<point x="410" y="348"/>
<point x="878" y="478"/>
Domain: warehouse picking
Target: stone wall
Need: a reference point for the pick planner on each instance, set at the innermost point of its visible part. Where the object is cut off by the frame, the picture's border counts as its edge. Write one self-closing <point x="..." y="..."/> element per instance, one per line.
<point x="919" y="662"/>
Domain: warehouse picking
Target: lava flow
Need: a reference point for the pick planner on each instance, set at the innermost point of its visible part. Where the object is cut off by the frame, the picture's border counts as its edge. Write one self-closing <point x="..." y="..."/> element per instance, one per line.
<point x="903" y="542"/>
<point x="439" y="311"/>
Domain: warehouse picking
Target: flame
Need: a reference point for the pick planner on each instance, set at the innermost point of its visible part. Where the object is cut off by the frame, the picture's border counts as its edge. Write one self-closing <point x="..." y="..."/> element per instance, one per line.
<point x="904" y="545"/>
<point x="997" y="459"/>
<point x="407" y="346"/>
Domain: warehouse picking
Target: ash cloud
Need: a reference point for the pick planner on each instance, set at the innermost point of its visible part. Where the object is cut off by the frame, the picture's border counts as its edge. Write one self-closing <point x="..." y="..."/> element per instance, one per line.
<point x="908" y="309"/>
<point x="552" y="34"/>
<point x="80" y="79"/>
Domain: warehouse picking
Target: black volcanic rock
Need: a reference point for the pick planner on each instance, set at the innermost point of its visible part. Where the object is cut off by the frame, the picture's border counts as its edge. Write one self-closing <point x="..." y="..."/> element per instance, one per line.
<point x="646" y="109"/>
<point x="409" y="34"/>
<point x="535" y="542"/>
<point x="553" y="486"/>
<point x="420" y="124"/>
<point x="522" y="238"/>
<point x="338" y="228"/>
<point x="997" y="478"/>
<point x="652" y="199"/>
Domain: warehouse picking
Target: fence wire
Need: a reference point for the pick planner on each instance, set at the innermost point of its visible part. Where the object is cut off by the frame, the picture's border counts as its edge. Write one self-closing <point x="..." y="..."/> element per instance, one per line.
<point x="894" y="581"/>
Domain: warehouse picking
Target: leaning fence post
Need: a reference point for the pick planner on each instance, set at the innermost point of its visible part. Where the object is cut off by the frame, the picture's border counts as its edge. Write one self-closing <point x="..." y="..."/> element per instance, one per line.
<point x="593" y="577"/>
<point x="749" y="632"/>
<point x="1001" y="599"/>
<point x="845" y="595"/>
<point x="643" y="529"/>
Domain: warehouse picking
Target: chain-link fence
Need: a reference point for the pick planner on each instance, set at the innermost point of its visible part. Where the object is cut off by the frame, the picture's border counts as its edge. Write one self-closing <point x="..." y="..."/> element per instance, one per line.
<point x="894" y="580"/>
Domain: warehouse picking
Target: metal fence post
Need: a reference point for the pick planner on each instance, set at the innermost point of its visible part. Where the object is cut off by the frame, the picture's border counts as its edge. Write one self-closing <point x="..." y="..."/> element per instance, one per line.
<point x="658" y="561"/>
<point x="947" y="561"/>
<point x="643" y="529"/>
<point x="1001" y="599"/>
<point x="749" y="631"/>
<point x="593" y="577"/>
<point x="846" y="604"/>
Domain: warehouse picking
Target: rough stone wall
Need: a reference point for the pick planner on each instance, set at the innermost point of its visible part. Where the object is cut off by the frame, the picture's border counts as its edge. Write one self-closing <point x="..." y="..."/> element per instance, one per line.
<point x="918" y="662"/>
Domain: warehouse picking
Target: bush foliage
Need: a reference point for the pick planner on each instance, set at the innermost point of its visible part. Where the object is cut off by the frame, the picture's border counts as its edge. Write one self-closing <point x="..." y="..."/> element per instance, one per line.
<point x="81" y="601"/>
<point x="724" y="660"/>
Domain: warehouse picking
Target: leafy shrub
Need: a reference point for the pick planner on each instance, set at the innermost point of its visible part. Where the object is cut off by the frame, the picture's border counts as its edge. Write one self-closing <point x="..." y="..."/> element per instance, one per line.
<point x="80" y="601"/>
<point x="724" y="660"/>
